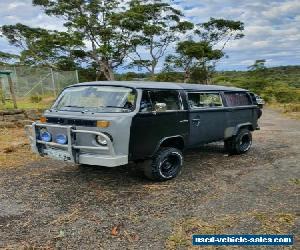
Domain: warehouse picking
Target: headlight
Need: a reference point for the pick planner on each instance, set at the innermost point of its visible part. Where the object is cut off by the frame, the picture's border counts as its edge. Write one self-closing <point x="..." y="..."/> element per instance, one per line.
<point x="61" y="139"/>
<point x="101" y="140"/>
<point x="46" y="136"/>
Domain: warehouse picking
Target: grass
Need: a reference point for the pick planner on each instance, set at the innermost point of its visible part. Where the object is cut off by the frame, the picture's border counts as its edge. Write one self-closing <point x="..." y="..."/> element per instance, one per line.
<point x="290" y="109"/>
<point x="14" y="148"/>
<point x="25" y="103"/>
<point x="263" y="223"/>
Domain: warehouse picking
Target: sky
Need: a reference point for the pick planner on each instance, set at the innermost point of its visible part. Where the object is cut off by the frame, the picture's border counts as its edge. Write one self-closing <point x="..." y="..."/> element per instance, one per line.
<point x="272" y="27"/>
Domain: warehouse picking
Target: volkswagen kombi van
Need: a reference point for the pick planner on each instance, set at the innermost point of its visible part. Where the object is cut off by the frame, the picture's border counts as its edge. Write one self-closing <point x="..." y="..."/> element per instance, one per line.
<point x="114" y="123"/>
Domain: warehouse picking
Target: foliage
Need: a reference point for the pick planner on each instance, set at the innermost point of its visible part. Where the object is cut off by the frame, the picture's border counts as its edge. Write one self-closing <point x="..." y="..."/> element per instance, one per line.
<point x="198" y="58"/>
<point x="43" y="47"/>
<point x="100" y="23"/>
<point x="35" y="99"/>
<point x="156" y="25"/>
<point x="8" y="58"/>
<point x="280" y="84"/>
<point x="258" y="65"/>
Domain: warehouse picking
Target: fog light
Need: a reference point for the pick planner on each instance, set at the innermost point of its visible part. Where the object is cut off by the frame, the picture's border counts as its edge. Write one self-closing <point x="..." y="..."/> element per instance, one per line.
<point x="46" y="136"/>
<point x="61" y="139"/>
<point x="101" y="140"/>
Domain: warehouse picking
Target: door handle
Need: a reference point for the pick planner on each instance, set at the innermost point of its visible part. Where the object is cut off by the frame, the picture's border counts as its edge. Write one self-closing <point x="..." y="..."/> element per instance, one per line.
<point x="197" y="121"/>
<point x="184" y="121"/>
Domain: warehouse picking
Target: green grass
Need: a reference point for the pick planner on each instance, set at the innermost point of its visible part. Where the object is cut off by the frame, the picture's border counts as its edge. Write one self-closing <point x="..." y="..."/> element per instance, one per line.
<point x="45" y="103"/>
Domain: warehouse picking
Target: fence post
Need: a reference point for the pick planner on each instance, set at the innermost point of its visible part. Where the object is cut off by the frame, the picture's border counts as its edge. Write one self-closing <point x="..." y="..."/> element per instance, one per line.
<point x="2" y="92"/>
<point x="53" y="82"/>
<point x="12" y="91"/>
<point x="77" y="77"/>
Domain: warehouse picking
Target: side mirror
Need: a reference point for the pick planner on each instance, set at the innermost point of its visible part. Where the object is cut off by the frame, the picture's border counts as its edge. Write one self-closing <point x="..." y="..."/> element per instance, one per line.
<point x="160" y="107"/>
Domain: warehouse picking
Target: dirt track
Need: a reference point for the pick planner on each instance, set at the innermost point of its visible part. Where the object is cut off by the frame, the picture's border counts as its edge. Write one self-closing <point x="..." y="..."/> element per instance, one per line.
<point x="47" y="203"/>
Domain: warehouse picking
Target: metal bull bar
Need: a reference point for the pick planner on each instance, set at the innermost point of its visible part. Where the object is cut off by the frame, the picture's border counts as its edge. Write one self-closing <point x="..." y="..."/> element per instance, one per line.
<point x="69" y="147"/>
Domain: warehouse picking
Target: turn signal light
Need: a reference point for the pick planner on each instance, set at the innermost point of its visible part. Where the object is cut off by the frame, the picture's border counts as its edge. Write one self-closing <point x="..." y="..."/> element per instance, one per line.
<point x="43" y="119"/>
<point x="103" y="124"/>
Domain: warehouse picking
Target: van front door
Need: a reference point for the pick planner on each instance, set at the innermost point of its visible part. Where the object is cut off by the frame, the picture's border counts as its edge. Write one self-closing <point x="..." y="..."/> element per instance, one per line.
<point x="161" y="115"/>
<point x="207" y="118"/>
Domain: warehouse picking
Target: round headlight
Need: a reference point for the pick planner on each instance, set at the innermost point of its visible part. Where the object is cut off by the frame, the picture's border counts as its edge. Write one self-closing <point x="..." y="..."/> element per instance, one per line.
<point x="46" y="136"/>
<point x="101" y="140"/>
<point x="61" y="139"/>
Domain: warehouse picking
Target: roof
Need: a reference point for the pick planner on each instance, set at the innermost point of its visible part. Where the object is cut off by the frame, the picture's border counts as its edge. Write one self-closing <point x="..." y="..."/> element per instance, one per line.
<point x="161" y="85"/>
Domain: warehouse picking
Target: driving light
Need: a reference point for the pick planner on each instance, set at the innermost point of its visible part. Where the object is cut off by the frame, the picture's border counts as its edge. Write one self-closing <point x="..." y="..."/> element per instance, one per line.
<point x="103" y="124"/>
<point x="46" y="136"/>
<point x="101" y="140"/>
<point x="61" y="139"/>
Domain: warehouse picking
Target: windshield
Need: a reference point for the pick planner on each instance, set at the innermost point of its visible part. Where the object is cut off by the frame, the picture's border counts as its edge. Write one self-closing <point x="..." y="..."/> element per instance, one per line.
<point x="96" y="99"/>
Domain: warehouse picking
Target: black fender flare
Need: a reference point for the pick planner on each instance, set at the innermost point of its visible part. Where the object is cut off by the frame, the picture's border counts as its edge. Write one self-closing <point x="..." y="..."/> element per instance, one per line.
<point x="164" y="139"/>
<point x="233" y="131"/>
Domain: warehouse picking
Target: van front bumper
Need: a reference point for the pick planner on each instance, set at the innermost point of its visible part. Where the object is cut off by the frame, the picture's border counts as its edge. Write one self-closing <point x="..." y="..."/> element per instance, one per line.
<point x="90" y="155"/>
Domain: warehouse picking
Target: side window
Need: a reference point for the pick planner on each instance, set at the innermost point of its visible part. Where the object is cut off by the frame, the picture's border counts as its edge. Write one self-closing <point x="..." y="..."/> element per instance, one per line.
<point x="204" y="100"/>
<point x="160" y="100"/>
<point x="235" y="99"/>
<point x="146" y="104"/>
<point x="165" y="100"/>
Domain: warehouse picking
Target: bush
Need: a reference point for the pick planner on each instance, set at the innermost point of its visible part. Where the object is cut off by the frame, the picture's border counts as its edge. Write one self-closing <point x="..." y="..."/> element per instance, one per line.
<point x="35" y="99"/>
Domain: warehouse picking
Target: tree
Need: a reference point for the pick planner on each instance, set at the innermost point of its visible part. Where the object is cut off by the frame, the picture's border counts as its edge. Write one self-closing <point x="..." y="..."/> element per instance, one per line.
<point x="100" y="24"/>
<point x="198" y="57"/>
<point x="155" y="25"/>
<point x="192" y="56"/>
<point x="43" y="47"/>
<point x="8" y="58"/>
<point x="258" y="65"/>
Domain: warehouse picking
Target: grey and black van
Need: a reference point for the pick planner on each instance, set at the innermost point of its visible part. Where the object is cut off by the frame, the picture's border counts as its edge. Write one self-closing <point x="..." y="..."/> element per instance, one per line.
<point x="113" y="123"/>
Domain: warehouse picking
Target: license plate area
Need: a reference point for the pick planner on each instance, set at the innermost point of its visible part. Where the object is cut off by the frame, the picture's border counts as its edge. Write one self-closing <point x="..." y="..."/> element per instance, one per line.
<point x="57" y="154"/>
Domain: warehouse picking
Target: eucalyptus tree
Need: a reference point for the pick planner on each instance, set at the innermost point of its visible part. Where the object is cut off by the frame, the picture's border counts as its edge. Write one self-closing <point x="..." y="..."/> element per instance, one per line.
<point x="155" y="25"/>
<point x="198" y="55"/>
<point x="8" y="58"/>
<point x="43" y="47"/>
<point x="107" y="41"/>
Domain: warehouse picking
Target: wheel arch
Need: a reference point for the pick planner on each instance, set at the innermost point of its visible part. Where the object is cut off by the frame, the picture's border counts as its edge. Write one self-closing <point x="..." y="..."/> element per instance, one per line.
<point x="233" y="131"/>
<point x="247" y="125"/>
<point x="176" y="141"/>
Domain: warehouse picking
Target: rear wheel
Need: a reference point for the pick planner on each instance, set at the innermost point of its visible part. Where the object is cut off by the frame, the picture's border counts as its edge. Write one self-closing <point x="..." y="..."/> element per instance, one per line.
<point x="165" y="165"/>
<point x="239" y="144"/>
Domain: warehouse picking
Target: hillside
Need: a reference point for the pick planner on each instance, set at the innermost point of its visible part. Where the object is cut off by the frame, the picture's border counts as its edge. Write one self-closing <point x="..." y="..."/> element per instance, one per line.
<point x="289" y="75"/>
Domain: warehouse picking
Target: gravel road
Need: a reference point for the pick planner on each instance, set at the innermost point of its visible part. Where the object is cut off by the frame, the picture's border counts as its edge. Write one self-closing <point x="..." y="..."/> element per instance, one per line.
<point x="49" y="204"/>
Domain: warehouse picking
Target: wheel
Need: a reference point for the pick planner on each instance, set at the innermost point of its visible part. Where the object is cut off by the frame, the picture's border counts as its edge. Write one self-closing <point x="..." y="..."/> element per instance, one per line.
<point x="239" y="144"/>
<point x="165" y="165"/>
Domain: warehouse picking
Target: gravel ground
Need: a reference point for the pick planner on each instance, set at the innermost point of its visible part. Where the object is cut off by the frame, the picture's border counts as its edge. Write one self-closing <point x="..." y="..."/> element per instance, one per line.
<point x="50" y="204"/>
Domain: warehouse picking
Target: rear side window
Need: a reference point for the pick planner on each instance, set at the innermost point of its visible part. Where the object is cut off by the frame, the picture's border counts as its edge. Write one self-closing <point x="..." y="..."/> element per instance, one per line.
<point x="204" y="100"/>
<point x="234" y="99"/>
<point x="160" y="100"/>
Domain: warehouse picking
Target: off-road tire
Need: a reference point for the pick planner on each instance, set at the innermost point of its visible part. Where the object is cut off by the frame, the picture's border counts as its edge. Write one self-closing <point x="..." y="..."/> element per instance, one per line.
<point x="239" y="144"/>
<point x="165" y="165"/>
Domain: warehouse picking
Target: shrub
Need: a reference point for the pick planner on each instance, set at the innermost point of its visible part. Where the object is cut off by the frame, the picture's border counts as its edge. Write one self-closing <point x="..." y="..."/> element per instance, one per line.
<point x="35" y="99"/>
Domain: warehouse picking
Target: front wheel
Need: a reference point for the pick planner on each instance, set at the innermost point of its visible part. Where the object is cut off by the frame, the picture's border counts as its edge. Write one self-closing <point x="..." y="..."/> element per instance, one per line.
<point x="239" y="144"/>
<point x="165" y="165"/>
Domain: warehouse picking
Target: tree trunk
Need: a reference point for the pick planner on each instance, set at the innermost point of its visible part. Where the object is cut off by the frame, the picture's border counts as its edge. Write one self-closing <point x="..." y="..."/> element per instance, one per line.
<point x="12" y="91"/>
<point x="2" y="92"/>
<point x="152" y="70"/>
<point x="187" y="76"/>
<point x="107" y="70"/>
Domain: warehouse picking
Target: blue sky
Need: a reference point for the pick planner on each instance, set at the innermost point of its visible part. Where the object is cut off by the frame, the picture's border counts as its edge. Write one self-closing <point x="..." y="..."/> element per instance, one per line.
<point x="272" y="27"/>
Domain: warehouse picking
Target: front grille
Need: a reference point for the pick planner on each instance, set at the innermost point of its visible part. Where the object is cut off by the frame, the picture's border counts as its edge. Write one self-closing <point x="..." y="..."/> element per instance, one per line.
<point x="67" y="121"/>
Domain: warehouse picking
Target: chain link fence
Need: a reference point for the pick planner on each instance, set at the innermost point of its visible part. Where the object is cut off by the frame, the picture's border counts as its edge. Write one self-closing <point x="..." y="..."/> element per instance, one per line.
<point x="37" y="81"/>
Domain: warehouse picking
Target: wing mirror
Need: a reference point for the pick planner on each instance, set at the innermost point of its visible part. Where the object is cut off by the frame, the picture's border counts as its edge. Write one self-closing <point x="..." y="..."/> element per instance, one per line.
<point x="160" y="107"/>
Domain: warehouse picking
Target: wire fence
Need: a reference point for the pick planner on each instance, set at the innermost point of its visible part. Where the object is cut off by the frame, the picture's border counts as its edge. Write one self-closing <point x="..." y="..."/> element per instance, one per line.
<point x="37" y="81"/>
